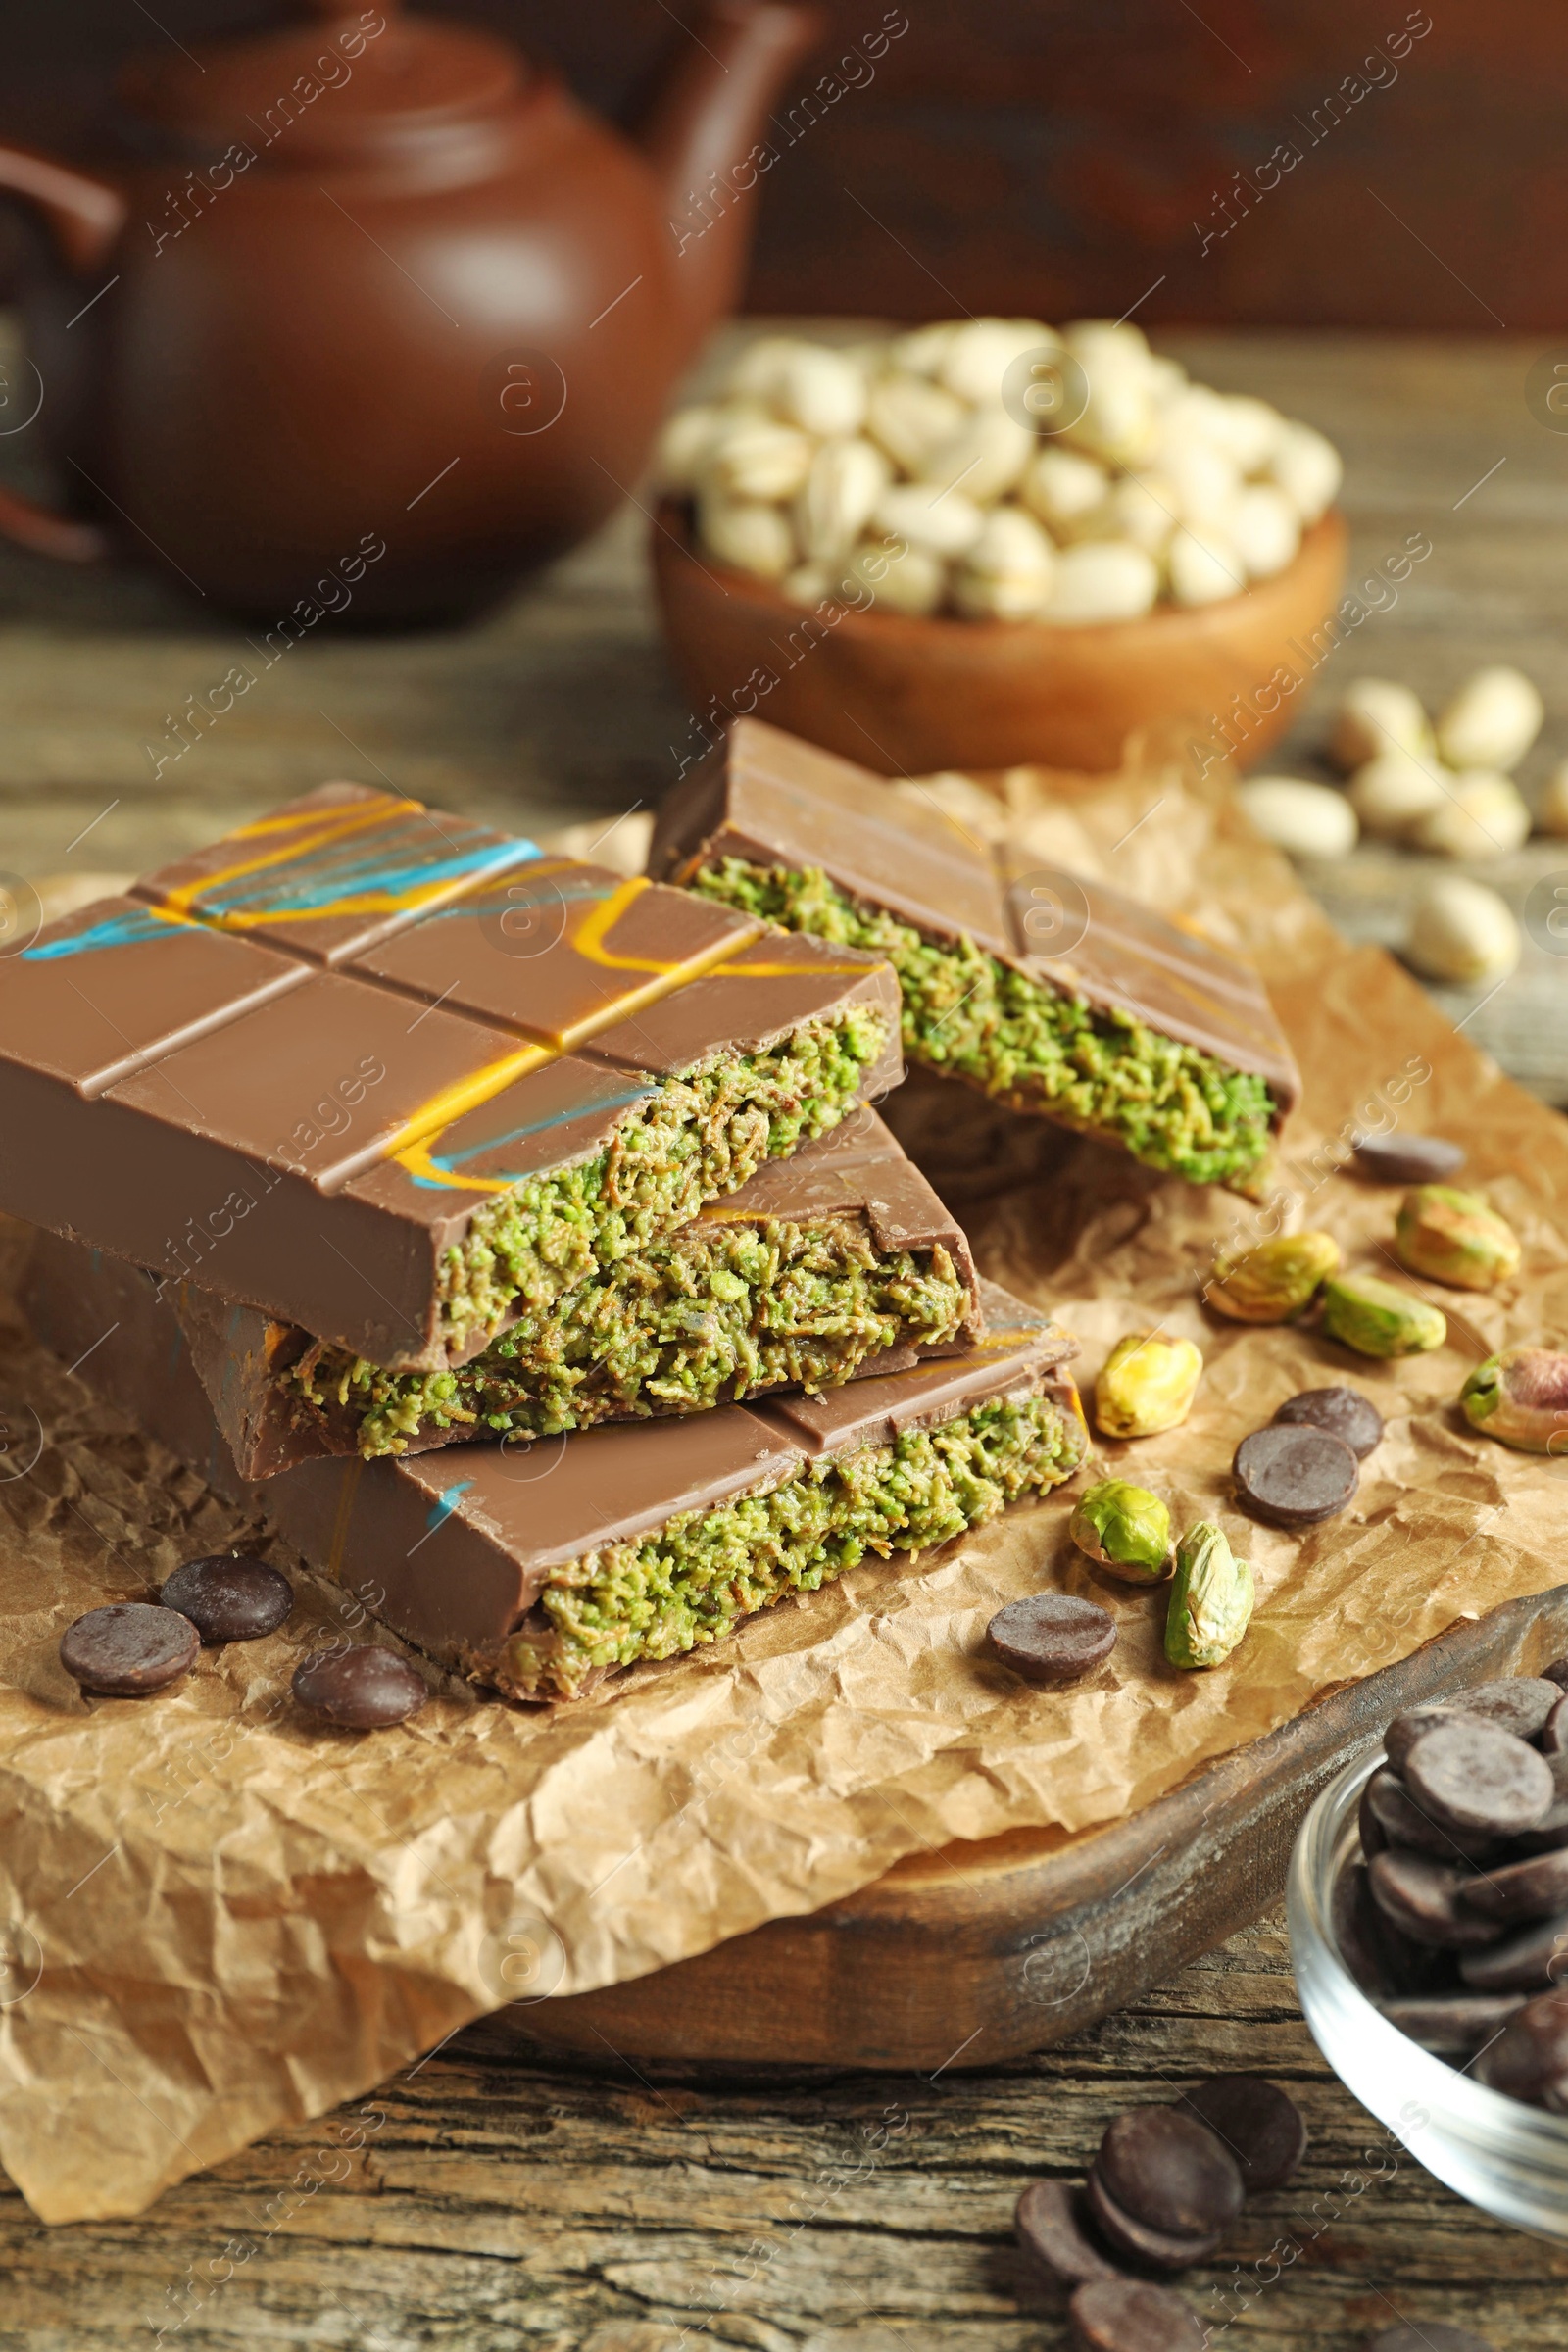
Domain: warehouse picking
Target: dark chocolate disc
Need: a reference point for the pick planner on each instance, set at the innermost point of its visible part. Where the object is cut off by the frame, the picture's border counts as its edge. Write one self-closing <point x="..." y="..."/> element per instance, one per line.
<point x="1534" y="1888"/>
<point x="1421" y="1897"/>
<point x="1408" y="1159"/>
<point x="1452" y="2025"/>
<point x="1551" y="1829"/>
<point x="1403" y="1824"/>
<point x="1528" y="2059"/>
<point x="359" y="1687"/>
<point x="1294" y="1474"/>
<point x="1052" y="1637"/>
<point x="1515" y="1702"/>
<point x="229" y="1599"/>
<point x="1127" y="2314"/>
<point x="1473" y="1776"/>
<point x="1554" y="1730"/>
<point x="1343" y="1412"/>
<point x="1414" y="1723"/>
<point x="1556" y="1672"/>
<point x="128" y="1649"/>
<point x="1050" y="2223"/>
<point x="1135" y="2240"/>
<point x="1167" y="2171"/>
<point x="1535" y="1960"/>
<point x="1256" y="2122"/>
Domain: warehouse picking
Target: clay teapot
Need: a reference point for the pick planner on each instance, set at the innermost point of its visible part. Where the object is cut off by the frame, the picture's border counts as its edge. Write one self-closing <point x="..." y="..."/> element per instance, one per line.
<point x="373" y="315"/>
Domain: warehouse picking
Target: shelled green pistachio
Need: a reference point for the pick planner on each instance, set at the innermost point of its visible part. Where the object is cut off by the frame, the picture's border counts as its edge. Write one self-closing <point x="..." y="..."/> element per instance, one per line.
<point x="1376" y="1319"/>
<point x="1148" y="1384"/>
<point x="1276" y="1281"/>
<point x="1124" y="1530"/>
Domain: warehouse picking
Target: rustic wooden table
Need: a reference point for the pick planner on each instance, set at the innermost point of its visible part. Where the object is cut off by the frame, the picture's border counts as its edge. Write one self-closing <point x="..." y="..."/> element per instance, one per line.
<point x="499" y="2197"/>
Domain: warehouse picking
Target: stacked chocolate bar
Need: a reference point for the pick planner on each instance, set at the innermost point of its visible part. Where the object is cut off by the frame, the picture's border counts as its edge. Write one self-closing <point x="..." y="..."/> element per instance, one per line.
<point x="463" y="1195"/>
<point x="1046" y="989"/>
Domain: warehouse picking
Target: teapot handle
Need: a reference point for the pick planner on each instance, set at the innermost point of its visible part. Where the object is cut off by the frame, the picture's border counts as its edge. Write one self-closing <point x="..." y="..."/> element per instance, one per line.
<point x="83" y="217"/>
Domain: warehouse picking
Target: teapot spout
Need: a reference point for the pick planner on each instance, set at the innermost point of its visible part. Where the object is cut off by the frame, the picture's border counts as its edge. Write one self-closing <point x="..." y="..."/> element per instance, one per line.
<point x="703" y="133"/>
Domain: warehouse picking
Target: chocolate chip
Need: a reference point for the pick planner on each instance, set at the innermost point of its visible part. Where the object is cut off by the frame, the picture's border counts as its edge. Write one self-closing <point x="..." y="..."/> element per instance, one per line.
<point x="1414" y="1723"/>
<point x="1294" y="1474"/>
<point x="1343" y="1412"/>
<point x="1135" y="2240"/>
<point x="1551" y="1829"/>
<point x="1455" y="2024"/>
<point x="1422" y="1898"/>
<point x="1258" y="2124"/>
<point x="1534" y="1888"/>
<point x="1050" y="2223"/>
<point x="1373" y="1835"/>
<point x="1383" y="1961"/>
<point x="1052" y="1637"/>
<point x="1405" y="1825"/>
<point x="1432" y="2335"/>
<point x="1123" y="2314"/>
<point x="1528" y="2059"/>
<point x="1516" y="1702"/>
<point x="1167" y="2171"/>
<point x="1472" y="1776"/>
<point x="1529" y="1962"/>
<point x="229" y="1599"/>
<point x="1554" y="1730"/>
<point x="1408" y="1159"/>
<point x="128" y="1649"/>
<point x="359" y="1687"/>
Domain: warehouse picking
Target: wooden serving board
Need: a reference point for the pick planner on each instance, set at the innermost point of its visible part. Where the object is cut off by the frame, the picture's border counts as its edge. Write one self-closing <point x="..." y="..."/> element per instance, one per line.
<point x="975" y="1952"/>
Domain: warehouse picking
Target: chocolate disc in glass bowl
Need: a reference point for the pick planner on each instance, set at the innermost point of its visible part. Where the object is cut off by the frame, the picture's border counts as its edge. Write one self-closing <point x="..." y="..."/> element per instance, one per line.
<point x="1343" y="1412"/>
<point x="1476" y="1777"/>
<point x="1294" y="1475"/>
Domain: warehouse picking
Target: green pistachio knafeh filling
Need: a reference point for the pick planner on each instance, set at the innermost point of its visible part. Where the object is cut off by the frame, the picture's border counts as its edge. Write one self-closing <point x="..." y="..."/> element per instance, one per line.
<point x="966" y="1011"/>
<point x="703" y="1132"/>
<point x="717" y="1313"/>
<point x="694" y="1580"/>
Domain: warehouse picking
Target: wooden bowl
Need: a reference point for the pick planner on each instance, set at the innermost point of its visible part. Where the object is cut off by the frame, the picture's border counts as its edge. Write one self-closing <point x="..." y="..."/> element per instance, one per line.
<point x="909" y="696"/>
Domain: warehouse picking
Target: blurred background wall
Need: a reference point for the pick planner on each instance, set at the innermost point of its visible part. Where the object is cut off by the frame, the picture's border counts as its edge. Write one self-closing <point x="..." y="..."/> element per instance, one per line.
<point x="1056" y="156"/>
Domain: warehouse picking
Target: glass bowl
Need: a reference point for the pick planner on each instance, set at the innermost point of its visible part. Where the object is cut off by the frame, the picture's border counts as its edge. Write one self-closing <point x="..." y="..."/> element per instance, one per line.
<point x="1510" y="2159"/>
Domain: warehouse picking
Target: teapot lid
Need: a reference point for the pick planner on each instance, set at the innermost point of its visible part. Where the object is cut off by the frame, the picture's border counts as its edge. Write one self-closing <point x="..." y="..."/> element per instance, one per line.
<point x="352" y="78"/>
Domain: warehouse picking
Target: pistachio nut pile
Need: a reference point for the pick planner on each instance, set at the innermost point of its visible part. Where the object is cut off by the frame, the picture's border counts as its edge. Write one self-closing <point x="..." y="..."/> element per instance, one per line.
<point x="993" y="469"/>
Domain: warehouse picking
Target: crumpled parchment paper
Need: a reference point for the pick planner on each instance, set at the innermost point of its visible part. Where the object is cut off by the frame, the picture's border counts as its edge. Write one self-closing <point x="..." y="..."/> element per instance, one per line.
<point x="215" y="1917"/>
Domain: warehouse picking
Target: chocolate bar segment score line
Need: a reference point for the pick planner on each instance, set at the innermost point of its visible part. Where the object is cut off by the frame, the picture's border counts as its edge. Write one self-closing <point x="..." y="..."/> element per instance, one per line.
<point x="324" y="1137"/>
<point x="994" y="955"/>
<point x="837" y="1260"/>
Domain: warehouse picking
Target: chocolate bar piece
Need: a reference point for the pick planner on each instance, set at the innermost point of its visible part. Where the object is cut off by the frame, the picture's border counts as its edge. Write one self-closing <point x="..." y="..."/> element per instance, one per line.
<point x="835" y="1258"/>
<point x="1052" y="993"/>
<point x="393" y="1078"/>
<point x="542" y="1567"/>
<point x="115" y="1327"/>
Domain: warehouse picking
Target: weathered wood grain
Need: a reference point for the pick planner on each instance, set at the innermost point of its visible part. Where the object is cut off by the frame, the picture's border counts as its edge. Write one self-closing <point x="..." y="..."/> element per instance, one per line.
<point x="502" y="2198"/>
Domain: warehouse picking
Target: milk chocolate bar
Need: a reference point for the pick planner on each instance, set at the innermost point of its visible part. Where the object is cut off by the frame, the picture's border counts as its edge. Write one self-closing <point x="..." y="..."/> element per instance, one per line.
<point x="837" y="1258"/>
<point x="392" y="1078"/>
<point x="541" y="1568"/>
<point x="1052" y="993"/>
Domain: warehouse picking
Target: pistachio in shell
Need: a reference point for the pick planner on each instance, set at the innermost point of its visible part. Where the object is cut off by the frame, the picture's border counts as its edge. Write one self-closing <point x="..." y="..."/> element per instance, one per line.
<point x="1454" y="1237"/>
<point x="1147" y="1383"/>
<point x="1211" y="1599"/>
<point x="1376" y="1318"/>
<point x="1276" y="1281"/>
<point x="1520" y="1397"/>
<point x="1124" y="1530"/>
